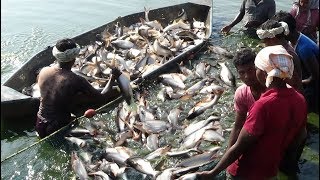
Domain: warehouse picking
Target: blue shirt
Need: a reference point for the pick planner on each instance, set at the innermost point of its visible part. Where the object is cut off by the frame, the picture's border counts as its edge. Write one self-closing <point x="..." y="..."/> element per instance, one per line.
<point x="306" y="48"/>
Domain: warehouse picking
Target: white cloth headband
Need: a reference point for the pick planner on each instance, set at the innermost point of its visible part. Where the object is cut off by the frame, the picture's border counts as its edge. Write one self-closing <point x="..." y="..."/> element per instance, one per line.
<point x="66" y="56"/>
<point x="271" y="33"/>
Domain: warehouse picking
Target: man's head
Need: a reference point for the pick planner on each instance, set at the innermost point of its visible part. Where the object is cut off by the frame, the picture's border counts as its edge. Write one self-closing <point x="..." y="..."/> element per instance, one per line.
<point x="65" y="51"/>
<point x="286" y="17"/>
<point x="271" y="32"/>
<point x="244" y="63"/>
<point x="304" y="4"/>
<point x="273" y="61"/>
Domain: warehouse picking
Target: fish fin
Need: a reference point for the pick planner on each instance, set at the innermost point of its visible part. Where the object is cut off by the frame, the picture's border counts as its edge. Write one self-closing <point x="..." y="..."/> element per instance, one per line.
<point x="143" y="21"/>
<point x="185" y="97"/>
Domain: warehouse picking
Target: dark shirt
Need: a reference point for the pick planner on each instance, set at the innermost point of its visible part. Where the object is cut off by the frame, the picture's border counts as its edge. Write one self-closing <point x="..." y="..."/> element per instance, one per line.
<point x="259" y="12"/>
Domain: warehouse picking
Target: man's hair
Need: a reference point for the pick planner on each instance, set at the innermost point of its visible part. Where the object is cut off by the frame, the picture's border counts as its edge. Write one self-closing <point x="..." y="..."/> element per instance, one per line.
<point x="287" y="18"/>
<point x="243" y="57"/>
<point x="270" y="24"/>
<point x="65" y="44"/>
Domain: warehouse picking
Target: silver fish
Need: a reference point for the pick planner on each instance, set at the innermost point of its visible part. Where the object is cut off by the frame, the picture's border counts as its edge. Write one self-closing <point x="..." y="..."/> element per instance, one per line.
<point x="146" y="13"/>
<point x="201" y="70"/>
<point x="219" y="50"/>
<point x="172" y="81"/>
<point x="78" y="166"/>
<point x="115" y="157"/>
<point x="154" y="24"/>
<point x="77" y="141"/>
<point x="166" y="174"/>
<point x="154" y="126"/>
<point x="152" y="142"/>
<point x="177" y="152"/>
<point x="198" y="24"/>
<point x="212" y="88"/>
<point x="182" y="15"/>
<point x="198" y="160"/>
<point x="101" y="174"/>
<point x="202" y="106"/>
<point x="196" y="87"/>
<point x="123" y="44"/>
<point x="227" y="76"/>
<point x="125" y="87"/>
<point x="194" y="126"/>
<point x="161" y="50"/>
<point x="158" y="152"/>
<point x="142" y="165"/>
<point x="173" y="117"/>
<point x="176" y="25"/>
<point x="212" y="136"/>
<point x="191" y="176"/>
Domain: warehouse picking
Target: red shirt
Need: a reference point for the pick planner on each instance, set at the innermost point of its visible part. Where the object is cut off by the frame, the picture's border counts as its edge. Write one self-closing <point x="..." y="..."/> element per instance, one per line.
<point x="243" y="99"/>
<point x="275" y="118"/>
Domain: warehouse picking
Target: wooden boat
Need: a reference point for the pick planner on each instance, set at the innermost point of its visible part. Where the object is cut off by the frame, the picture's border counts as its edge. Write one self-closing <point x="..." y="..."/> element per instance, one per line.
<point x="15" y="105"/>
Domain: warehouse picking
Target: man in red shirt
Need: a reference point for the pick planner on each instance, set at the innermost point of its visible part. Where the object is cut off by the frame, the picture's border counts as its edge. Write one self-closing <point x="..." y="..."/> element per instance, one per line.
<point x="276" y="122"/>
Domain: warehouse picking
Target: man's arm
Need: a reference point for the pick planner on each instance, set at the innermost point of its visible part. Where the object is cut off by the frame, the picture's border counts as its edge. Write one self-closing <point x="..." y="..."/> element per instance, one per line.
<point x="239" y="121"/>
<point x="244" y="142"/>
<point x="312" y="67"/>
<point x="272" y="10"/>
<point x="237" y="19"/>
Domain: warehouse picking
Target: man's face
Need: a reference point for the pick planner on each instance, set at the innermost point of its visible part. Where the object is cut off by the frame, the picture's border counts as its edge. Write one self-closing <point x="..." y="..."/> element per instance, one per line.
<point x="267" y="41"/>
<point x="261" y="76"/>
<point x="304" y="4"/>
<point x="247" y="74"/>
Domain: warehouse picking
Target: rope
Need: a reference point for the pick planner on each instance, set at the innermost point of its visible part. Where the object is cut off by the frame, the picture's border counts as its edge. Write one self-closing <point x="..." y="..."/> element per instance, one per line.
<point x="59" y="130"/>
<point x="76" y="119"/>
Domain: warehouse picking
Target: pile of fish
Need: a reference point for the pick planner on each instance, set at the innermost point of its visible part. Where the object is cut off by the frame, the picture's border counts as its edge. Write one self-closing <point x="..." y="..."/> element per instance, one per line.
<point x="167" y="135"/>
<point x="135" y="50"/>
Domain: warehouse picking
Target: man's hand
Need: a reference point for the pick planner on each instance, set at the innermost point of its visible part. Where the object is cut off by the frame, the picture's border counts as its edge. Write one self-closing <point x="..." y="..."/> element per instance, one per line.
<point x="205" y="175"/>
<point x="226" y="29"/>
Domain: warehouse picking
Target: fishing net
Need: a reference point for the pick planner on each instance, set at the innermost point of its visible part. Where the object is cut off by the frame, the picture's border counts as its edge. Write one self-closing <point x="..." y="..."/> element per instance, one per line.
<point x="50" y="158"/>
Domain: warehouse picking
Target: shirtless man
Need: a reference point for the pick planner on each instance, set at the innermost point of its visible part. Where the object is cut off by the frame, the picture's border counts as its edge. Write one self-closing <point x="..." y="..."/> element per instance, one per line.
<point x="255" y="12"/>
<point x="60" y="88"/>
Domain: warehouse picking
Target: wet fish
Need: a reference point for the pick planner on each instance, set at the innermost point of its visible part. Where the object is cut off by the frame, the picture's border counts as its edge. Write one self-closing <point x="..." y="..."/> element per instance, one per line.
<point x="176" y="25"/>
<point x="212" y="136"/>
<point x="202" y="106"/>
<point x="201" y="70"/>
<point x="177" y="152"/>
<point x="173" y="117"/>
<point x="115" y="157"/>
<point x="142" y="165"/>
<point x="155" y="126"/>
<point x="78" y="166"/>
<point x="227" y="76"/>
<point x="213" y="88"/>
<point x="77" y="141"/>
<point x="101" y="174"/>
<point x="152" y="142"/>
<point x="161" y="50"/>
<point x="194" y="126"/>
<point x="198" y="160"/>
<point x="191" y="176"/>
<point x="182" y="15"/>
<point x="172" y="80"/>
<point x="219" y="50"/>
<point x="146" y="13"/>
<point x="198" y="24"/>
<point x="125" y="87"/>
<point x="166" y="174"/>
<point x="158" y="152"/>
<point x="123" y="44"/>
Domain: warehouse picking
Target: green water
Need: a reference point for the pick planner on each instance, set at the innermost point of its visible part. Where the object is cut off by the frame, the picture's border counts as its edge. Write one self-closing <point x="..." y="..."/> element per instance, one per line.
<point x="27" y="27"/>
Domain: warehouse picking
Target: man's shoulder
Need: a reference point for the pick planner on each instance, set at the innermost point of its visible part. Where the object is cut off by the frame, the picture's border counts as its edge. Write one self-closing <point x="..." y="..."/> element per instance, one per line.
<point x="241" y="91"/>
